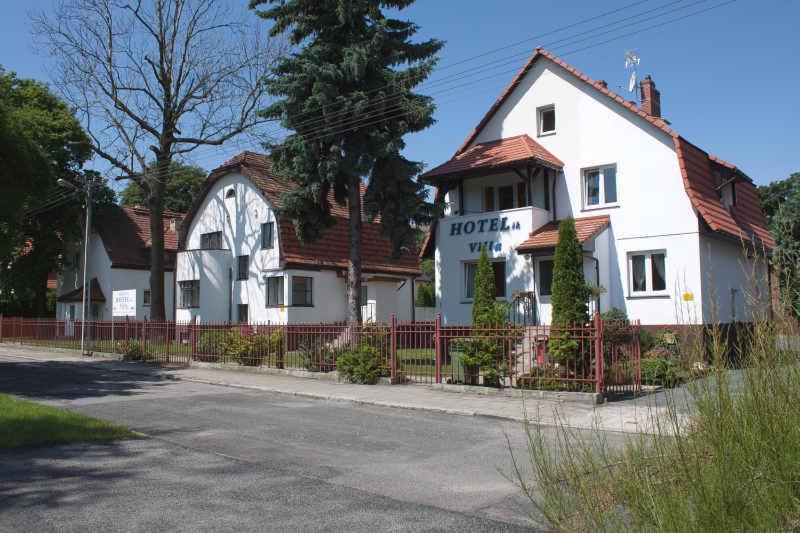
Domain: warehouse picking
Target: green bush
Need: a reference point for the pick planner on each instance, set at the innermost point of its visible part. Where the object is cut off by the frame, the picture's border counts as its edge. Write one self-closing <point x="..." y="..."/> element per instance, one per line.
<point x="538" y="379"/>
<point x="374" y="336"/>
<point x="660" y="372"/>
<point x="217" y="342"/>
<point x="614" y="314"/>
<point x="132" y="350"/>
<point x="361" y="366"/>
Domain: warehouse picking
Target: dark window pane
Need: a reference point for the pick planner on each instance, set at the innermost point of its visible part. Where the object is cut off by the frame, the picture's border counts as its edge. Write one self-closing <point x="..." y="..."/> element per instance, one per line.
<point x="658" y="272"/>
<point x="363" y="298"/>
<point x="545" y="278"/>
<point x="638" y="275"/>
<point x="211" y="241"/>
<point x="548" y="120"/>
<point x="243" y="269"/>
<point x="610" y="184"/>
<point x="469" y="278"/>
<point x="301" y="290"/>
<point x="488" y="200"/>
<point x="146" y="297"/>
<point x="275" y="291"/>
<point x="267" y="235"/>
<point x="242" y="313"/>
<point x="592" y="192"/>
<point x="522" y="195"/>
<point x="505" y="196"/>
<point x="499" y="278"/>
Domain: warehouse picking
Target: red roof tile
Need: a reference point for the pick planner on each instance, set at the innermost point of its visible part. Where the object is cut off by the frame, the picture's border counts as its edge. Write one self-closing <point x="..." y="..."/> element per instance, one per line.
<point x="498" y="154"/>
<point x="547" y="235"/>
<point x="126" y="236"/>
<point x="746" y="220"/>
<point x="332" y="249"/>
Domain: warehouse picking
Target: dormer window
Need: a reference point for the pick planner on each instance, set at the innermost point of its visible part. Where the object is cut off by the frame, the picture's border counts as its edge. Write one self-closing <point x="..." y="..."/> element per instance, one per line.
<point x="546" y="120"/>
<point x="726" y="188"/>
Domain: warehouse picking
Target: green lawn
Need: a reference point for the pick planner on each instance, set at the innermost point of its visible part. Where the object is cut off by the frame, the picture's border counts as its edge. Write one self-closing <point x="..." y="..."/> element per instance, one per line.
<point x="420" y="361"/>
<point x="28" y="424"/>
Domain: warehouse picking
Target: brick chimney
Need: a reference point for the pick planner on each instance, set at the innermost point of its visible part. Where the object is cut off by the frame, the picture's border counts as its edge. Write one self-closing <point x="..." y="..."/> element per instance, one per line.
<point x="651" y="97"/>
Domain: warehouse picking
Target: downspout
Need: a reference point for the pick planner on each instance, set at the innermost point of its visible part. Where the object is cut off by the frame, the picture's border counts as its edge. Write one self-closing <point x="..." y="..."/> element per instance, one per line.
<point x="553" y="188"/>
<point x="413" y="301"/>
<point x="230" y="292"/>
<point x="597" y="278"/>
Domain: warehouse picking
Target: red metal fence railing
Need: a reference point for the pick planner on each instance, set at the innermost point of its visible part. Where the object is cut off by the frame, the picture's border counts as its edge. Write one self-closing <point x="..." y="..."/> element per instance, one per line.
<point x="602" y="357"/>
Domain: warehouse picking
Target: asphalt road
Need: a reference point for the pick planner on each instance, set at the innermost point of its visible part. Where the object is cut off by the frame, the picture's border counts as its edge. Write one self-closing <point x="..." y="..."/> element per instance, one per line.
<point x="225" y="459"/>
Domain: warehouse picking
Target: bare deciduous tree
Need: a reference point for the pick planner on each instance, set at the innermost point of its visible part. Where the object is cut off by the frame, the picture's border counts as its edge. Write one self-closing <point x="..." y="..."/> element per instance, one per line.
<point x="155" y="79"/>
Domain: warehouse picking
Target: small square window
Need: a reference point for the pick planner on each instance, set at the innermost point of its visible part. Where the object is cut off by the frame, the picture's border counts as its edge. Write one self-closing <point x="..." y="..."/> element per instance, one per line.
<point x="146" y="297"/>
<point x="647" y="273"/>
<point x="275" y="291"/>
<point x="267" y="235"/>
<point x="499" y="271"/>
<point x="546" y="277"/>
<point x="211" y="241"/>
<point x="547" y="120"/>
<point x="242" y="313"/>
<point x="190" y="293"/>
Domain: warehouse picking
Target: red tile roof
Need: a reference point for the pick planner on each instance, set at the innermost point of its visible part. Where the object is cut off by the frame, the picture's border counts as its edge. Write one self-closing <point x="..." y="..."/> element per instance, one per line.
<point x="547" y="235"/>
<point x="745" y="221"/>
<point x="498" y="154"/>
<point x="126" y="236"/>
<point x="95" y="293"/>
<point x="332" y="249"/>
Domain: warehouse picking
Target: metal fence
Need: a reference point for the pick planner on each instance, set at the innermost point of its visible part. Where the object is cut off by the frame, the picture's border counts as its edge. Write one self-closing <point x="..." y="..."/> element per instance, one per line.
<point x="598" y="356"/>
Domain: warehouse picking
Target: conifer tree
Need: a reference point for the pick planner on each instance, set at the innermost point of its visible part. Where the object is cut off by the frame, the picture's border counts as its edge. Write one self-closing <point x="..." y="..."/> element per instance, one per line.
<point x="569" y="287"/>
<point x="347" y="101"/>
<point x="484" y="304"/>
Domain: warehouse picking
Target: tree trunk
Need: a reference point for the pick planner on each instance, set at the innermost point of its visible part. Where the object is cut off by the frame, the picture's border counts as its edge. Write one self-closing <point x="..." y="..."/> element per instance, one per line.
<point x="156" y="205"/>
<point x="354" y="262"/>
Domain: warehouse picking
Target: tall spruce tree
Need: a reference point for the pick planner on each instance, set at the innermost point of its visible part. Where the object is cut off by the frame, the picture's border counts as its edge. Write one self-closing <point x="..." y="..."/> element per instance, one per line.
<point x="347" y="99"/>
<point x="569" y="287"/>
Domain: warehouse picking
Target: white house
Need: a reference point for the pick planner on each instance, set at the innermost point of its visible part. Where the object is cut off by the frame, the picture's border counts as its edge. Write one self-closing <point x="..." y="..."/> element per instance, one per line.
<point x="668" y="230"/>
<point x="240" y="262"/>
<point x="118" y="259"/>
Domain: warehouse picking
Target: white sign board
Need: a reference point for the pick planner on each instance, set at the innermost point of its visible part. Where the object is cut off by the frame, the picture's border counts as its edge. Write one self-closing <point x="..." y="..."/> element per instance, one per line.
<point x="124" y="303"/>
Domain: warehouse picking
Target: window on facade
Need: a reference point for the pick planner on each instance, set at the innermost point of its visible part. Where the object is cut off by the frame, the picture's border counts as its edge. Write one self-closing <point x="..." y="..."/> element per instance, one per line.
<point x="499" y="268"/>
<point x="211" y="241"/>
<point x="505" y="197"/>
<point x="274" y="291"/>
<point x="146" y="297"/>
<point x="546" y="277"/>
<point x="242" y="313"/>
<point x="647" y="272"/>
<point x="242" y="267"/>
<point x="600" y="186"/>
<point x="230" y="193"/>
<point x="547" y="120"/>
<point x="267" y="235"/>
<point x="190" y="293"/>
<point x="488" y="199"/>
<point x="302" y="290"/>
<point x="522" y="194"/>
<point x="363" y="297"/>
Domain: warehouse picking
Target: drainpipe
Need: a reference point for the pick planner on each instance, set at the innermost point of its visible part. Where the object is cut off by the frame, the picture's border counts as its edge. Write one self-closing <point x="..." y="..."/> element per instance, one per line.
<point x="230" y="292"/>
<point x="597" y="278"/>
<point x="413" y="300"/>
<point x="553" y="186"/>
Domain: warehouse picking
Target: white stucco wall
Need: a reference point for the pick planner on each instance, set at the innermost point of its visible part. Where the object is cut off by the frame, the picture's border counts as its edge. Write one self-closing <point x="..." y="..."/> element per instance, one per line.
<point x="734" y="282"/>
<point x="653" y="211"/>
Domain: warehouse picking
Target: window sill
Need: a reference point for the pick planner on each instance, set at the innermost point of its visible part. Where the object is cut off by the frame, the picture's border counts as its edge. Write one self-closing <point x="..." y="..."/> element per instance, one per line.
<point x="648" y="295"/>
<point x="546" y="133"/>
<point x="302" y="305"/>
<point x="279" y="306"/>
<point x="187" y="308"/>
<point x="600" y="207"/>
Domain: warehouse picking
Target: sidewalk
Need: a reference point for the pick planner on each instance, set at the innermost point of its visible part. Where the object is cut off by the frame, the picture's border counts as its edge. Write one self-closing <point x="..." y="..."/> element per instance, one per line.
<point x="628" y="416"/>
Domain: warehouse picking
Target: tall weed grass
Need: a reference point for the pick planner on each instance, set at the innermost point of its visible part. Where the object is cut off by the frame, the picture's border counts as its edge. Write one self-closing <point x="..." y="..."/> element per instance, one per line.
<point x="723" y="456"/>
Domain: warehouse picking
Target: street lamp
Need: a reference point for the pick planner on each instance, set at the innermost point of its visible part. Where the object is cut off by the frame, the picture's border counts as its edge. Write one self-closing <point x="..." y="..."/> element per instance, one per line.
<point x="87" y="190"/>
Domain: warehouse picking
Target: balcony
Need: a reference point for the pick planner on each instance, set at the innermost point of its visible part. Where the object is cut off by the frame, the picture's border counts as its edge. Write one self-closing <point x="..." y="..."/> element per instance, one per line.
<point x="499" y="231"/>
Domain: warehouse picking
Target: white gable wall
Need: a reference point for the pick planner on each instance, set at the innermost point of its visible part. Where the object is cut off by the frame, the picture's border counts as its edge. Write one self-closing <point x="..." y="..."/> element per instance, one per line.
<point x="653" y="210"/>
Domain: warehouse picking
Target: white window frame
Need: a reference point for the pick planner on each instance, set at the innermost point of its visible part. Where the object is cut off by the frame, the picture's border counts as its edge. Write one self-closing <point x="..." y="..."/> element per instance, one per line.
<point x="195" y="294"/>
<point x="281" y="293"/>
<point x="540" y="122"/>
<point x="648" y="274"/>
<point x="602" y="204"/>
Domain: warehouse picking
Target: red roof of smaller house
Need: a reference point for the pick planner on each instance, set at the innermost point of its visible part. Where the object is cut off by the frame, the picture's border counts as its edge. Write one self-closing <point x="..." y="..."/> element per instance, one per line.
<point x="126" y="237"/>
<point x="495" y="155"/>
<point x="95" y="293"/>
<point x="332" y="249"/>
<point x="547" y="236"/>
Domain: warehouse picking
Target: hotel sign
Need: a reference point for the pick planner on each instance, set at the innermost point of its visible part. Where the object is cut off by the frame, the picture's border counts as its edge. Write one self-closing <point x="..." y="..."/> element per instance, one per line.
<point x="123" y="303"/>
<point x="483" y="225"/>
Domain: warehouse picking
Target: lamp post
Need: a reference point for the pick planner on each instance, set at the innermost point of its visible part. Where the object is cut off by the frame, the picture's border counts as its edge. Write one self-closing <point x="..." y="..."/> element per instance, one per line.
<point x="87" y="191"/>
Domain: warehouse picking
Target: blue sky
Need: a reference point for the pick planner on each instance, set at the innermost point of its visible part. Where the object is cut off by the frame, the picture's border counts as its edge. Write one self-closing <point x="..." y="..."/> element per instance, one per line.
<point x="729" y="78"/>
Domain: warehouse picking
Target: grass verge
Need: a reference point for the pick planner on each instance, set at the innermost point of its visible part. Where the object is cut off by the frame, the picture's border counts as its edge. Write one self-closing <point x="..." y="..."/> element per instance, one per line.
<point x="28" y="424"/>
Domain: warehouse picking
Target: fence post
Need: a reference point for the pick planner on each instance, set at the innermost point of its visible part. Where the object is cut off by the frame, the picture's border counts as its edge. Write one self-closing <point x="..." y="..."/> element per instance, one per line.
<point x="144" y="338"/>
<point x="193" y="338"/>
<point x="393" y="347"/>
<point x="598" y="354"/>
<point x="437" y="339"/>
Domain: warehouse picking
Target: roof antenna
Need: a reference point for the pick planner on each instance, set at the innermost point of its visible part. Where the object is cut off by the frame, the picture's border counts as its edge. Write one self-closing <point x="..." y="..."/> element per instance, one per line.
<point x="632" y="64"/>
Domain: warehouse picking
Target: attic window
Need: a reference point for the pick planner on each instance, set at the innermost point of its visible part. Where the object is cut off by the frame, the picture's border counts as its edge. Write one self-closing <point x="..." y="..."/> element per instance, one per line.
<point x="547" y="120"/>
<point x="231" y="193"/>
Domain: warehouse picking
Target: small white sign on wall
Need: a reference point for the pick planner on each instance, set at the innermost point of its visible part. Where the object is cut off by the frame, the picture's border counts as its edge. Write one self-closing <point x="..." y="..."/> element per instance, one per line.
<point x="124" y="303"/>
